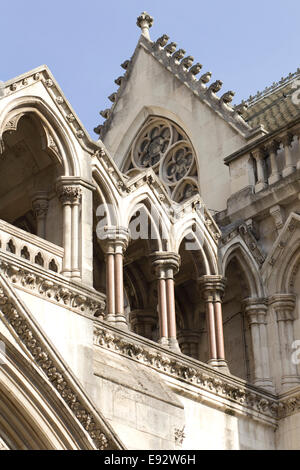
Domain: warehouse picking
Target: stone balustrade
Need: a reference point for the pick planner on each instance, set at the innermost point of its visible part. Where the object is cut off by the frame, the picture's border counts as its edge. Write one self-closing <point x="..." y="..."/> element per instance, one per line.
<point x="30" y="247"/>
<point x="265" y="160"/>
<point x="276" y="158"/>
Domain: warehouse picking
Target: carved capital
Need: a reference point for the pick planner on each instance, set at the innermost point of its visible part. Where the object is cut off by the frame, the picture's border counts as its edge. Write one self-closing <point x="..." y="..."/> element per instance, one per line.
<point x="165" y="264"/>
<point x="272" y="146"/>
<point x="40" y="207"/>
<point x="284" y="306"/>
<point x="114" y="239"/>
<point x="212" y="287"/>
<point x="256" y="310"/>
<point x="69" y="194"/>
<point x="287" y="139"/>
<point x="258" y="154"/>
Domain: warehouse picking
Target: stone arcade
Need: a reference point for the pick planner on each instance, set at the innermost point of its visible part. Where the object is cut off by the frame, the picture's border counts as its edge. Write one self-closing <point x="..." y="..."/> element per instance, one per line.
<point x="185" y="337"/>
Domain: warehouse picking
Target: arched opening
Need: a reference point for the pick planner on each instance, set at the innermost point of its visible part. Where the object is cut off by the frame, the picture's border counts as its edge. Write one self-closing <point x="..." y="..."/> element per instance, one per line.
<point x="140" y="282"/>
<point x="30" y="165"/>
<point x="237" y="335"/>
<point x="190" y="306"/>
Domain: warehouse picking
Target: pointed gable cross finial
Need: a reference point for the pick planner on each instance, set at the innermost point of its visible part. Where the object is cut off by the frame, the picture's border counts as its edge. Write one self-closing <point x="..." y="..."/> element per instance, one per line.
<point x="145" y="21"/>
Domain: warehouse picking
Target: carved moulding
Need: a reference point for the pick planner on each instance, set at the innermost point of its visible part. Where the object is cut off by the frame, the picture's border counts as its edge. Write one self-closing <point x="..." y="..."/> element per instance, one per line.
<point x="246" y="397"/>
<point x="289" y="404"/>
<point x="52" y="288"/>
<point x="12" y="314"/>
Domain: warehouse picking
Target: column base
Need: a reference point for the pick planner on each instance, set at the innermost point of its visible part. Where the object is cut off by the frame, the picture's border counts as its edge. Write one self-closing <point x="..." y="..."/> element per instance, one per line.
<point x="66" y="273"/>
<point x="116" y="320"/>
<point x="260" y="186"/>
<point x="120" y="321"/>
<point x="219" y="364"/>
<point x="266" y="384"/>
<point x="164" y="342"/>
<point x="288" y="171"/>
<point x="274" y="178"/>
<point x="173" y="345"/>
<point x="289" y="382"/>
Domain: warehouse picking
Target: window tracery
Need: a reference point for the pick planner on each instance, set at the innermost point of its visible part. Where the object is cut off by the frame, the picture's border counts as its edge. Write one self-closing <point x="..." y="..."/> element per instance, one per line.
<point x="164" y="147"/>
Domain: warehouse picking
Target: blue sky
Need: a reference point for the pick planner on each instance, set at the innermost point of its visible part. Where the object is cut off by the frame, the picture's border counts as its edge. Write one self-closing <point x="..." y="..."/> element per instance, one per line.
<point x="247" y="45"/>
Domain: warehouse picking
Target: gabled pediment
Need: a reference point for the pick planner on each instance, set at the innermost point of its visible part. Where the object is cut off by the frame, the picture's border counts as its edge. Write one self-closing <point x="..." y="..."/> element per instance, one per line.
<point x="176" y="65"/>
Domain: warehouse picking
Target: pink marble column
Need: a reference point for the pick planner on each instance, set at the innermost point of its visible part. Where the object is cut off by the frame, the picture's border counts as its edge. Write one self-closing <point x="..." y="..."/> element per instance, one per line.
<point x="210" y="321"/>
<point x="165" y="266"/>
<point x="171" y="308"/>
<point x="110" y="286"/>
<point x="115" y="243"/>
<point x="212" y="287"/>
<point x="219" y="330"/>
<point x="162" y="310"/>
<point x="119" y="284"/>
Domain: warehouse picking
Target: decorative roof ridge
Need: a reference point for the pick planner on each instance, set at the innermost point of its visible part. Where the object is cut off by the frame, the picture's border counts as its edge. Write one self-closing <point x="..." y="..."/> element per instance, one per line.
<point x="182" y="67"/>
<point x="253" y="99"/>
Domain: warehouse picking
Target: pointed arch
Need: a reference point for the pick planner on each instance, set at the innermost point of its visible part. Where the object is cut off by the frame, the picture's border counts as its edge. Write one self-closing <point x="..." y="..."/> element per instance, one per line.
<point x="248" y="266"/>
<point x="53" y="130"/>
<point x="195" y="236"/>
<point x="146" y="203"/>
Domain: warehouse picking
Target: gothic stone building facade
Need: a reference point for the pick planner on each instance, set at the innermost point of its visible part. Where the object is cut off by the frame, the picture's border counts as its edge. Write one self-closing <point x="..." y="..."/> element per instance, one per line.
<point x="150" y="281"/>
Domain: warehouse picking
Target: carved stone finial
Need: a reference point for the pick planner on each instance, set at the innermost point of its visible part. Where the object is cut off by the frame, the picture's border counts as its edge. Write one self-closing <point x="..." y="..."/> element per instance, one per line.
<point x="105" y="113"/>
<point x="241" y="108"/>
<point x="170" y="48"/>
<point x="227" y="97"/>
<point x="178" y="55"/>
<point x="205" y="77"/>
<point x="187" y="62"/>
<point x="195" y="69"/>
<point x="118" y="81"/>
<point x="97" y="129"/>
<point x="162" y="41"/>
<point x="145" y="21"/>
<point x="216" y="86"/>
<point x="112" y="97"/>
<point x="125" y="64"/>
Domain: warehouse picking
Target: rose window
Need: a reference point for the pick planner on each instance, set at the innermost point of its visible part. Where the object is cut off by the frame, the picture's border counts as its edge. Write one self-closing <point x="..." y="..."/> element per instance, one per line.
<point x="164" y="147"/>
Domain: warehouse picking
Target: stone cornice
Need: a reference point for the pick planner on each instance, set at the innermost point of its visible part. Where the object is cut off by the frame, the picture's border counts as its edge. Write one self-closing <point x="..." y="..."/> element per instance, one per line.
<point x="14" y="314"/>
<point x="246" y="398"/>
<point x="51" y="286"/>
<point x="289" y="403"/>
